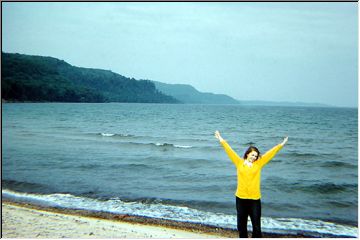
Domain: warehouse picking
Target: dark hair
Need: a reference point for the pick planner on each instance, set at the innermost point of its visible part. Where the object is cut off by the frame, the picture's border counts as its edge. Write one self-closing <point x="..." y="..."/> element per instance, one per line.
<point x="249" y="150"/>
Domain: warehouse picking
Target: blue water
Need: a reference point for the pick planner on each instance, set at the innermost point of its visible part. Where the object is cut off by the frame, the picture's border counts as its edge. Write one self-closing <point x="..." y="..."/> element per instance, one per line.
<point x="162" y="160"/>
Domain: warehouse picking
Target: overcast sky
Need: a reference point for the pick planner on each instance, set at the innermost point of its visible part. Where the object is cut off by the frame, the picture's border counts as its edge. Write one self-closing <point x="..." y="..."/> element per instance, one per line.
<point x="304" y="52"/>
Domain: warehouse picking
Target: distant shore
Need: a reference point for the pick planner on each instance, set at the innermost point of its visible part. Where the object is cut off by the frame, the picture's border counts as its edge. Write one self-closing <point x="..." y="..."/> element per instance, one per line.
<point x="241" y="103"/>
<point x="33" y="221"/>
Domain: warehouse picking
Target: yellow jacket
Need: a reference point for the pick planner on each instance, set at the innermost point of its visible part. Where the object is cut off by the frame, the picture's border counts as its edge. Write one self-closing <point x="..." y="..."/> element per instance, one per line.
<point x="248" y="178"/>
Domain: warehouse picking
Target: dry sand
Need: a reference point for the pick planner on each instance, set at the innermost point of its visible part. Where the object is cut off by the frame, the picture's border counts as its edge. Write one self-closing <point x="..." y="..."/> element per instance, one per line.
<point x="23" y="222"/>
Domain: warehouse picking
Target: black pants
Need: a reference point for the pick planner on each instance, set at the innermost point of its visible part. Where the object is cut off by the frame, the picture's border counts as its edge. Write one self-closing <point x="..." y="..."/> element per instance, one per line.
<point x="245" y="208"/>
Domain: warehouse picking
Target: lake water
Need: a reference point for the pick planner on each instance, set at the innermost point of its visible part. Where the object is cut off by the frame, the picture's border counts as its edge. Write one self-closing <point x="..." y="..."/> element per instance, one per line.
<point x="162" y="160"/>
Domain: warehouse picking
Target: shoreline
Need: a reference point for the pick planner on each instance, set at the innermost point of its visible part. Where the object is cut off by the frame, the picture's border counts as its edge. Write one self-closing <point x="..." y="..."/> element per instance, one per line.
<point x="146" y="227"/>
<point x="23" y="222"/>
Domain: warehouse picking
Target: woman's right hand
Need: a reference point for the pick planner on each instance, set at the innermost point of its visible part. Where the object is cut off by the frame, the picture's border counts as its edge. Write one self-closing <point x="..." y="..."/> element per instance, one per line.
<point x="218" y="136"/>
<point x="284" y="141"/>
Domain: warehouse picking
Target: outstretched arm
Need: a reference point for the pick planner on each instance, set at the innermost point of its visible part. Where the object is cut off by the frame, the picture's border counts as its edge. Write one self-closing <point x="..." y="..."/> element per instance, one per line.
<point x="230" y="152"/>
<point x="284" y="141"/>
<point x="272" y="152"/>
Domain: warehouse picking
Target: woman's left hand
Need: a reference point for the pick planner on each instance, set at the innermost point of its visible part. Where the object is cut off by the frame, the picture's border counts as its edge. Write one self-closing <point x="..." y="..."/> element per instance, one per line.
<point x="284" y="141"/>
<point x="218" y="136"/>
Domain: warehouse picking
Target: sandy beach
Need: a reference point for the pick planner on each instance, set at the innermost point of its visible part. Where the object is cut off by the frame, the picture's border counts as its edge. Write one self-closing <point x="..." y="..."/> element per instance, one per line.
<point x="24" y="222"/>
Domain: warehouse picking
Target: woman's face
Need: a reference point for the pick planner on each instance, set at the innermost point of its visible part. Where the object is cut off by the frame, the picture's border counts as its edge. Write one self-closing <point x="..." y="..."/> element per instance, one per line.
<point x="252" y="156"/>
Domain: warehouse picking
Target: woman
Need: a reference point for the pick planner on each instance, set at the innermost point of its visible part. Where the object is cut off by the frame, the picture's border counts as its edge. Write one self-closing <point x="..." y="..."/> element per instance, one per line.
<point x="248" y="189"/>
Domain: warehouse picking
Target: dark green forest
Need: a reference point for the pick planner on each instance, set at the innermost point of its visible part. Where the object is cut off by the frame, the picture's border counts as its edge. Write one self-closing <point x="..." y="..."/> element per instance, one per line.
<point x="47" y="79"/>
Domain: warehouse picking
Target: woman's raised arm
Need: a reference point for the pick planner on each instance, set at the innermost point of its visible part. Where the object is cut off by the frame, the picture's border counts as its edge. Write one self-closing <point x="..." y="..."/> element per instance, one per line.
<point x="272" y="152"/>
<point x="230" y="152"/>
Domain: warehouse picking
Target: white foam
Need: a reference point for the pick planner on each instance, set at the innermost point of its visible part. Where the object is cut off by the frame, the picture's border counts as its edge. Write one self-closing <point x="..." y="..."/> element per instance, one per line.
<point x="182" y="213"/>
<point x="107" y="134"/>
<point x="169" y="144"/>
<point x="182" y="146"/>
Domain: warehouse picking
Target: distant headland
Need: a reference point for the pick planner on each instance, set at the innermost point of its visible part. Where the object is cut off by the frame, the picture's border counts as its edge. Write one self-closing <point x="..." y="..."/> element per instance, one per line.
<point x="27" y="78"/>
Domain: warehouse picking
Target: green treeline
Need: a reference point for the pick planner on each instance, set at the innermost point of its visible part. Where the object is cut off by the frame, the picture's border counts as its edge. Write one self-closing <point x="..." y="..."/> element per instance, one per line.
<point x="36" y="78"/>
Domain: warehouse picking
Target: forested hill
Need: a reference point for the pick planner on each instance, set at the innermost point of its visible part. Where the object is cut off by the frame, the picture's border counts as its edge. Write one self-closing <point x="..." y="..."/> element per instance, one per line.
<point x="37" y="78"/>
